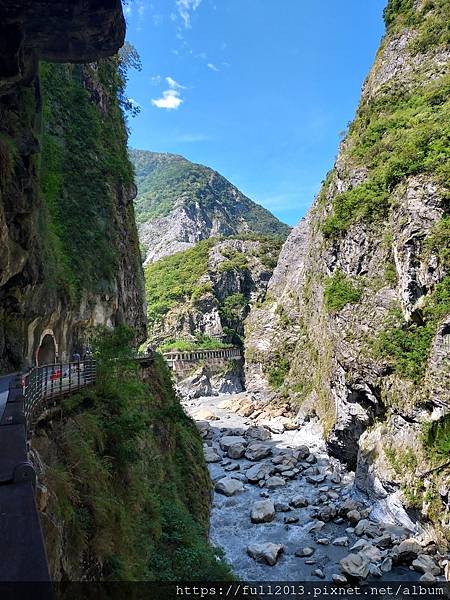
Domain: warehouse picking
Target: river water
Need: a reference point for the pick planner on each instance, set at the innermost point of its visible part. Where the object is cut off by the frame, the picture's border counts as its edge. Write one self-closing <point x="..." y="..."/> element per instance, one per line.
<point x="231" y="527"/>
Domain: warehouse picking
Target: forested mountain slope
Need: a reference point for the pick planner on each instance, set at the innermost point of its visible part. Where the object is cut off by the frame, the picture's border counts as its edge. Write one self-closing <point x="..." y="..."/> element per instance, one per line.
<point x="180" y="203"/>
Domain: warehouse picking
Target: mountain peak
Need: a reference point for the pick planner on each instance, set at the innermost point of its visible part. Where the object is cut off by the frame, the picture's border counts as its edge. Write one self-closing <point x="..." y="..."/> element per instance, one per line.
<point x="180" y="203"/>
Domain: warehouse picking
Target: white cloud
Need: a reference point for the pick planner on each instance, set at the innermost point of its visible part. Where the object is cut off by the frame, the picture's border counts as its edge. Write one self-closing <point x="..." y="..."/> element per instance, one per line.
<point x="212" y="67"/>
<point x="174" y="85"/>
<point x="185" y="7"/>
<point x="171" y="98"/>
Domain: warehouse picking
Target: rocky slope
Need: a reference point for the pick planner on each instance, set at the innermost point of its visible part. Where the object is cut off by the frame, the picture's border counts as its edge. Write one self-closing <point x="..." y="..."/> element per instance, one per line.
<point x="68" y="255"/>
<point x="356" y="322"/>
<point x="180" y="203"/>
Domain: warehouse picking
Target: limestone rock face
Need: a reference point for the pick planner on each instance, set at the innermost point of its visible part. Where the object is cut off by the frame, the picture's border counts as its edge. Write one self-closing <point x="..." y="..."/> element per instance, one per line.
<point x="343" y="358"/>
<point x="38" y="269"/>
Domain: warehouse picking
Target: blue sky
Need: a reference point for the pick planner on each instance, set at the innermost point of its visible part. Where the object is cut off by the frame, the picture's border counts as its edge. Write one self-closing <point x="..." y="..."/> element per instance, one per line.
<point x="257" y="89"/>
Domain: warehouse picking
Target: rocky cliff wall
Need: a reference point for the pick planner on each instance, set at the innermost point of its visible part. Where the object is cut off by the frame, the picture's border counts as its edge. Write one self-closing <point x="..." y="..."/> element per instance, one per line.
<point x="355" y="325"/>
<point x="68" y="255"/>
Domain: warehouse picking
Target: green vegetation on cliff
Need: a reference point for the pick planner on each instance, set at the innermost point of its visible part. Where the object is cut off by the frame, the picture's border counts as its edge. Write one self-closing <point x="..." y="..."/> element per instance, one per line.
<point x="398" y="134"/>
<point x="339" y="291"/>
<point x="84" y="170"/>
<point x="402" y="130"/>
<point x="175" y="279"/>
<point x="165" y="181"/>
<point x="126" y="467"/>
<point x="407" y="345"/>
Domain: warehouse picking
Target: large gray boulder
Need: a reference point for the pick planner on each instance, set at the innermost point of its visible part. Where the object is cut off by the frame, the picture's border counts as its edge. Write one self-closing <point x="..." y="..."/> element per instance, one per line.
<point x="230" y="440"/>
<point x="356" y="566"/>
<point x="228" y="486"/>
<point x="425" y="564"/>
<point x="266" y="552"/>
<point x="258" y="472"/>
<point x="263" y="511"/>
<point x="236" y="451"/>
<point x="256" y="451"/>
<point x="211" y="455"/>
<point x="258" y="433"/>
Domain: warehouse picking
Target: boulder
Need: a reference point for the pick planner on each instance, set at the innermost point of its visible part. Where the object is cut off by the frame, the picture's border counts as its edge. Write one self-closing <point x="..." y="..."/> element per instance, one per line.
<point x="319" y="573"/>
<point x="327" y="513"/>
<point x="372" y="553"/>
<point x="339" y="579"/>
<point x="266" y="552"/>
<point x="282" y="507"/>
<point x="211" y="455"/>
<point x="315" y="479"/>
<point x="230" y="440"/>
<point x="236" y="451"/>
<point x="258" y="433"/>
<point x="233" y="467"/>
<point x="354" y="516"/>
<point x="341" y="541"/>
<point x="205" y="414"/>
<point x="425" y="564"/>
<point x="301" y="453"/>
<point x="386" y="565"/>
<point x="204" y="428"/>
<point x="291" y="520"/>
<point x="408" y="550"/>
<point x="355" y="565"/>
<point x="258" y="472"/>
<point x="298" y="502"/>
<point x="257" y="451"/>
<point x="304" y="552"/>
<point x="428" y="578"/>
<point x="228" y="486"/>
<point x="246" y="408"/>
<point x="263" y="511"/>
<point x="366" y="527"/>
<point x="275" y="482"/>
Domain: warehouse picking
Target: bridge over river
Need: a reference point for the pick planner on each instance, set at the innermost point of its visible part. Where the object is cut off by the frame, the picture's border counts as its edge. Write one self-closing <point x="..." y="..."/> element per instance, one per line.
<point x="24" y="398"/>
<point x="183" y="361"/>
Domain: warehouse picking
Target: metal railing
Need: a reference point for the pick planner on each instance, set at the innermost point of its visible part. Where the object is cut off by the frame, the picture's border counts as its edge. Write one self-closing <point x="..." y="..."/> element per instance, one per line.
<point x="194" y="355"/>
<point x="44" y="384"/>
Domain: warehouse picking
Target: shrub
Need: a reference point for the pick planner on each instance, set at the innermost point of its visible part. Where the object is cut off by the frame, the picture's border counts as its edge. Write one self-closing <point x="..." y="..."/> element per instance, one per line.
<point x="173" y="279"/>
<point x="340" y="291"/>
<point x="407" y="345"/>
<point x="436" y="438"/>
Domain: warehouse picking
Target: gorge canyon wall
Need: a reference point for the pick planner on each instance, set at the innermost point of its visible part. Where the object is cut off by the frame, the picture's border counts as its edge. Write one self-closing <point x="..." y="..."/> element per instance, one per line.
<point x="355" y="326"/>
<point x="68" y="256"/>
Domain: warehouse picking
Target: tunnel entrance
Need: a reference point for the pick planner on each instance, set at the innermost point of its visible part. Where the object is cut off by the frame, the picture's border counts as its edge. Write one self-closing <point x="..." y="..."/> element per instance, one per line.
<point x="46" y="354"/>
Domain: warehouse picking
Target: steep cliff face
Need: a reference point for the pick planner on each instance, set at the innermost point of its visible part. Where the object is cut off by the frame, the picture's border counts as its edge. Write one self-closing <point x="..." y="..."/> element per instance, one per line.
<point x="180" y="203"/>
<point x="69" y="244"/>
<point x="356" y="322"/>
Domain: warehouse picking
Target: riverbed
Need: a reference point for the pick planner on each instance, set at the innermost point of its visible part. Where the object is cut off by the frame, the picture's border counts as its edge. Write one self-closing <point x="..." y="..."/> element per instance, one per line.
<point x="307" y="497"/>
